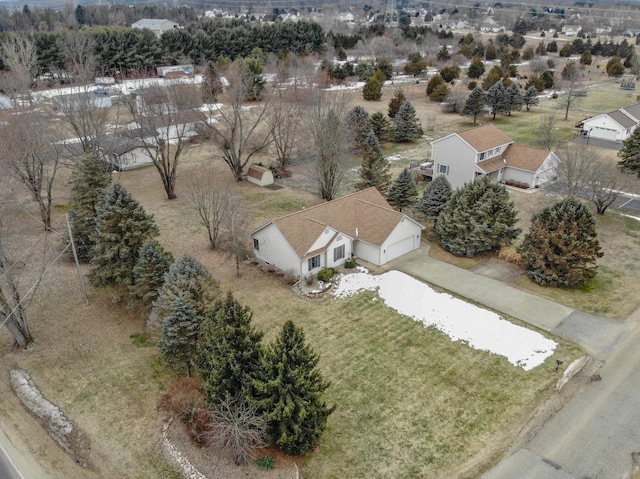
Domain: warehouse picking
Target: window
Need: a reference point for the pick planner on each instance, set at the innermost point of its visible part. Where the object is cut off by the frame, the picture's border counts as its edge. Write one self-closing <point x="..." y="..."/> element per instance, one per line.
<point x="256" y="244"/>
<point x="338" y="253"/>
<point x="314" y="262"/>
<point x="481" y="156"/>
<point x="443" y="169"/>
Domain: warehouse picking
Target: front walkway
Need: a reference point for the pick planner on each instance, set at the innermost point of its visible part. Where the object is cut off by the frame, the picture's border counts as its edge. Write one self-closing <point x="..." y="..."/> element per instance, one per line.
<point x="598" y="336"/>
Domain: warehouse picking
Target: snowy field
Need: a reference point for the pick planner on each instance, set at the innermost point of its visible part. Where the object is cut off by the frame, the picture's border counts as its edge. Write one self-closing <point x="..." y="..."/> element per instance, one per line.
<point x="461" y="321"/>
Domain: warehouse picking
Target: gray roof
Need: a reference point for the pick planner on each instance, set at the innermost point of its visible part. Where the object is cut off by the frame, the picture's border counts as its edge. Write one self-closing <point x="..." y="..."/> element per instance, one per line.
<point x="621" y="119"/>
<point x="633" y="110"/>
<point x="154" y="24"/>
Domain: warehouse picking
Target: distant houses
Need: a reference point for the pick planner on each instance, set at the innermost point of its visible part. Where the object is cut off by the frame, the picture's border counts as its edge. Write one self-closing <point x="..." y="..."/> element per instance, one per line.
<point x="157" y="25"/>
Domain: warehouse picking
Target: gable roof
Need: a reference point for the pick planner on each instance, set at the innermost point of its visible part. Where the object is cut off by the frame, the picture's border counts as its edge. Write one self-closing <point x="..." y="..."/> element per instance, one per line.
<point x="256" y="171"/>
<point x="172" y="119"/>
<point x="633" y="110"/>
<point x="621" y="119"/>
<point x="364" y="215"/>
<point x="516" y="156"/>
<point x="485" y="137"/>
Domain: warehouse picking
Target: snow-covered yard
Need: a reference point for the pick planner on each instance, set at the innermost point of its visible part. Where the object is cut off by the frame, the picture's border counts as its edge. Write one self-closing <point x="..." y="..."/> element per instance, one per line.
<point x="461" y="321"/>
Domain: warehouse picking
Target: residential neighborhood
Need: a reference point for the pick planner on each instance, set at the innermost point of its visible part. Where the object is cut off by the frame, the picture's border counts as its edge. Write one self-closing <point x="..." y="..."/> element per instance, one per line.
<point x="319" y="240"/>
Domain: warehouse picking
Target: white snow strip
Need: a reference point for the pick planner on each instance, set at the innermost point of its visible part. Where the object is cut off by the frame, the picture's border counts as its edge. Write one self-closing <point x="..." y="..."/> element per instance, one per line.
<point x="461" y="321"/>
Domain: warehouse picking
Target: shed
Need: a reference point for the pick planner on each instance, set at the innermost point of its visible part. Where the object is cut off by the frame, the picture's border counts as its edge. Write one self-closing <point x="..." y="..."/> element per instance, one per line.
<point x="259" y="175"/>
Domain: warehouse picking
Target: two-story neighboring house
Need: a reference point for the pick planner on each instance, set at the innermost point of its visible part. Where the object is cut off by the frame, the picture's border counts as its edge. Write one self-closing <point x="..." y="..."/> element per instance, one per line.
<point x="488" y="151"/>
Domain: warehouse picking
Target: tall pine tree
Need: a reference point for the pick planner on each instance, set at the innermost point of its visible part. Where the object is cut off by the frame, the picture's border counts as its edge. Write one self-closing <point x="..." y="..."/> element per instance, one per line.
<point x="435" y="196"/>
<point x="530" y="97"/>
<point x="562" y="245"/>
<point x="229" y="353"/>
<point x="630" y="153"/>
<point x="514" y="99"/>
<point x="474" y="106"/>
<point x="396" y="102"/>
<point x="478" y="219"/>
<point x="407" y="125"/>
<point x="291" y="392"/>
<point x="180" y="334"/>
<point x="403" y="191"/>
<point x="358" y="125"/>
<point x="89" y="177"/>
<point x="374" y="170"/>
<point x="148" y="273"/>
<point x="122" y="227"/>
<point x="381" y="126"/>
<point x="187" y="277"/>
<point x="497" y="99"/>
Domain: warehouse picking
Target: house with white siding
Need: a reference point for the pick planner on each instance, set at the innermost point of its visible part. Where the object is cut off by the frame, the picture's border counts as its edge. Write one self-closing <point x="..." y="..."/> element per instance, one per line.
<point x="359" y="225"/>
<point x="617" y="125"/>
<point x="488" y="151"/>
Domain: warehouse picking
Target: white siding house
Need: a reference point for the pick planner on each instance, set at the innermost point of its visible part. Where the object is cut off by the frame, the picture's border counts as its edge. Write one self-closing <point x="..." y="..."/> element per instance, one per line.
<point x="616" y="125"/>
<point x="487" y="151"/>
<point x="361" y="224"/>
<point x="157" y="25"/>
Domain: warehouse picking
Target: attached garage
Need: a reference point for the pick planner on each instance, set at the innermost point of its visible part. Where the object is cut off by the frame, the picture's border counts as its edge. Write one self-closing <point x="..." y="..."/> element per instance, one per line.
<point x="603" y="133"/>
<point x="401" y="247"/>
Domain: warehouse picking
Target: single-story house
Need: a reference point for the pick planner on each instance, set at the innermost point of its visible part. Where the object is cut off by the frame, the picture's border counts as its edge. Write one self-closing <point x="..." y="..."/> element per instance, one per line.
<point x="488" y="151"/>
<point x="184" y="69"/>
<point x="172" y="126"/>
<point x="571" y="30"/>
<point x="616" y="125"/>
<point x="128" y="149"/>
<point x="631" y="32"/>
<point x="79" y="101"/>
<point x="259" y="175"/>
<point x="362" y="224"/>
<point x="157" y="25"/>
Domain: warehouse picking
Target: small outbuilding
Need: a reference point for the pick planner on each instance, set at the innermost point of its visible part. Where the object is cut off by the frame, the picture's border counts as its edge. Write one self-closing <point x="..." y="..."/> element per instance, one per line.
<point x="259" y="175"/>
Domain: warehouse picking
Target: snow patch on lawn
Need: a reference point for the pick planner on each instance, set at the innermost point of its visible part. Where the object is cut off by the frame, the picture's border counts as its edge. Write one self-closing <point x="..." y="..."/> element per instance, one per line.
<point x="461" y="321"/>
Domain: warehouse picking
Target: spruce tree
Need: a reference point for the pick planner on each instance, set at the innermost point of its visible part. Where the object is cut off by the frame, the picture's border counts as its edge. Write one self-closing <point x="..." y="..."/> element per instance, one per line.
<point x="476" y="68"/>
<point x="396" y="102"/>
<point x="372" y="90"/>
<point x="629" y="155"/>
<point x="187" y="277"/>
<point x="291" y="392"/>
<point x="403" y="191"/>
<point x="497" y="99"/>
<point x="358" y="125"/>
<point x="374" y="170"/>
<point x="180" y="333"/>
<point x="478" y="219"/>
<point x="474" y="106"/>
<point x="89" y="177"/>
<point x="436" y="81"/>
<point x="148" y="273"/>
<point x="562" y="246"/>
<point x="513" y="100"/>
<point x="407" y="125"/>
<point x="530" y="97"/>
<point x="435" y="196"/>
<point x="381" y="126"/>
<point x="122" y="227"/>
<point x="229" y="353"/>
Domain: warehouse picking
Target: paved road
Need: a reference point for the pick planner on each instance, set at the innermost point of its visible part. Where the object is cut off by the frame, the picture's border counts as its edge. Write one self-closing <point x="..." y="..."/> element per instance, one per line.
<point x="15" y="460"/>
<point x="7" y="467"/>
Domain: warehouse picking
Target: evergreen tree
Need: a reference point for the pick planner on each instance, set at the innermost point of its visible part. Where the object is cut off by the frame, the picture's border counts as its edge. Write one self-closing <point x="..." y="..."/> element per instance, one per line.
<point x="180" y="333"/>
<point x="381" y="126"/>
<point x="403" y="191"/>
<point x="497" y="99"/>
<point x="475" y="104"/>
<point x="122" y="227"/>
<point x="439" y="93"/>
<point x="586" y="58"/>
<point x="374" y="170"/>
<point x="435" y="196"/>
<point x="396" y="102"/>
<point x="229" y="353"/>
<point x="530" y="97"/>
<point x="372" y="90"/>
<point x="407" y="126"/>
<point x="443" y="54"/>
<point x="187" y="277"/>
<point x="476" y="68"/>
<point x="89" y="178"/>
<point x="514" y="99"/>
<point x="358" y="125"/>
<point x="493" y="77"/>
<point x="435" y="81"/>
<point x="291" y="392"/>
<point x="148" y="273"/>
<point x="479" y="218"/>
<point x="561" y="247"/>
<point x="629" y="155"/>
<point x="491" y="52"/>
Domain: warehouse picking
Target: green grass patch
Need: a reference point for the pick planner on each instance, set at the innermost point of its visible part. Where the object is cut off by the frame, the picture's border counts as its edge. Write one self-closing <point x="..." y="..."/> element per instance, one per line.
<point x="142" y="340"/>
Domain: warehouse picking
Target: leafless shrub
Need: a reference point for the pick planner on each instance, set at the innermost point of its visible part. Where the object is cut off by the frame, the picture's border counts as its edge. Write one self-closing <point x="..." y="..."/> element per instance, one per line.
<point x="184" y="401"/>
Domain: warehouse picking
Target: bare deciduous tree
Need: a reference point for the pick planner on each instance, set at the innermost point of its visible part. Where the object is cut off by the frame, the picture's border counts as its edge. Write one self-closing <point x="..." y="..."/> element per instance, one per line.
<point x="572" y="85"/>
<point x="237" y="427"/>
<point x="235" y="229"/>
<point x="18" y="52"/>
<point x="585" y="172"/>
<point x="546" y="135"/>
<point x="27" y="146"/>
<point x="77" y="48"/>
<point x="237" y="131"/>
<point x="284" y="123"/>
<point x="328" y="138"/>
<point x="168" y="116"/>
<point x="208" y="194"/>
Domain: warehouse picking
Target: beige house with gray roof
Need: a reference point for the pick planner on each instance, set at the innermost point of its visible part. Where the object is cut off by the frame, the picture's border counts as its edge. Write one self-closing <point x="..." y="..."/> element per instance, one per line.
<point x="362" y="224"/>
<point x="488" y="151"/>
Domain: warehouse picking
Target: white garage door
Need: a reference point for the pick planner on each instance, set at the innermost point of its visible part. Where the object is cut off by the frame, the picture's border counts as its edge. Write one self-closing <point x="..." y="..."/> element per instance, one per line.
<point x="604" y="133"/>
<point x="400" y="248"/>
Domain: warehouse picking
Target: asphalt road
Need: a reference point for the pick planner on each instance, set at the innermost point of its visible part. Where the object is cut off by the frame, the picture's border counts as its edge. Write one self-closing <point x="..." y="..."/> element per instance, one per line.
<point x="8" y="469"/>
<point x="596" y="434"/>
